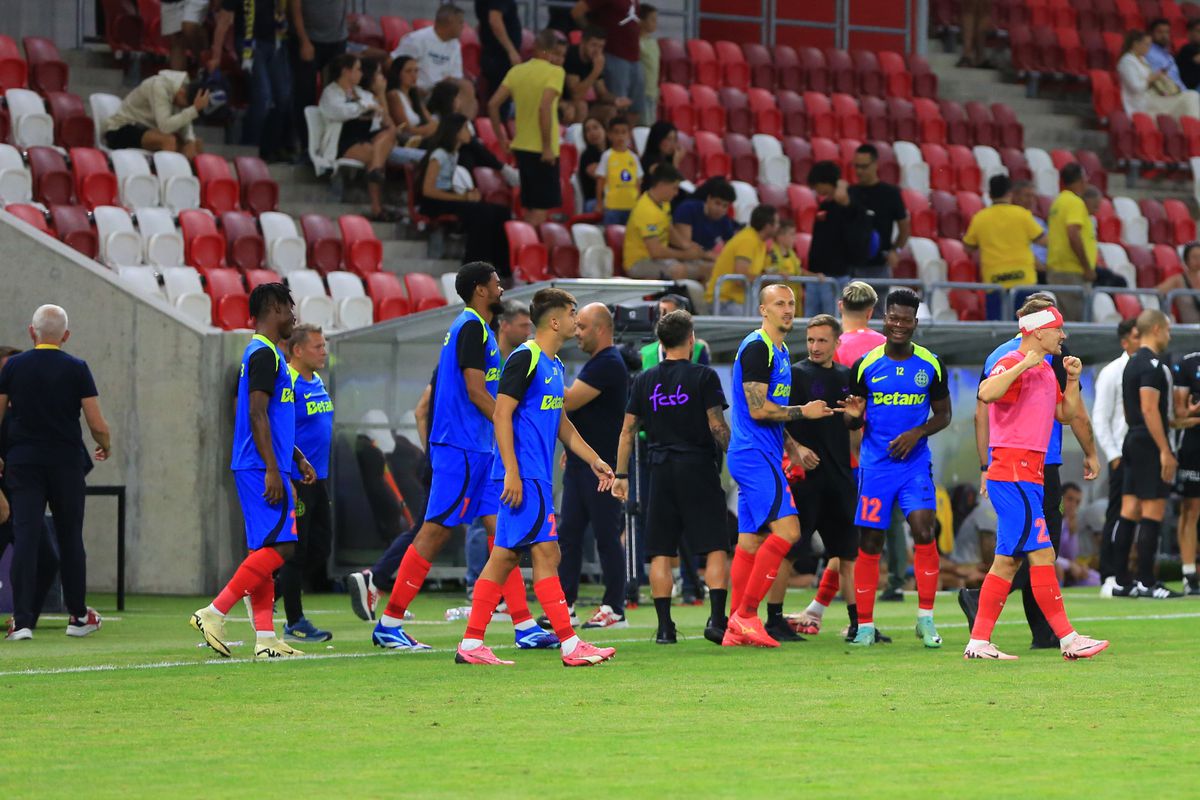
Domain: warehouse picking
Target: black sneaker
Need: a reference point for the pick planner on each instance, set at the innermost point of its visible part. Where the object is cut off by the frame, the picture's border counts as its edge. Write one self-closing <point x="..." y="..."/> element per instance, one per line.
<point x="714" y="633"/>
<point x="852" y="632"/>
<point x="968" y="601"/>
<point x="1158" y="591"/>
<point x="666" y="635"/>
<point x="892" y="596"/>
<point x="780" y="631"/>
<point x="1125" y="591"/>
<point x="1191" y="585"/>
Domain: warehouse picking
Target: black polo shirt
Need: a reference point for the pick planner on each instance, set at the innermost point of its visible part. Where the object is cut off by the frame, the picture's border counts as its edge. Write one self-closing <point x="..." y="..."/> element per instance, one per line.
<point x="599" y="422"/>
<point x="46" y="389"/>
<point x="672" y="400"/>
<point x="885" y="205"/>
<point x="828" y="438"/>
<point x="1150" y="370"/>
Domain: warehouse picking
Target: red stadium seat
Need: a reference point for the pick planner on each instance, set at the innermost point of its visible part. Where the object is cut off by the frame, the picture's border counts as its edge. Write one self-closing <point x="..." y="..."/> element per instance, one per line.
<point x="967" y="175"/>
<point x="1127" y="305"/>
<point x="710" y="116"/>
<point x="230" y="304"/>
<point x="904" y="120"/>
<point x="203" y="244"/>
<point x="673" y="61"/>
<point x="423" y="293"/>
<point x="941" y="175"/>
<point x="1008" y="127"/>
<point x="72" y="126"/>
<point x="815" y="69"/>
<point x="767" y="116"/>
<point x="245" y="248"/>
<point x="803" y="202"/>
<point x="1174" y="143"/>
<point x="257" y="277"/>
<point x="889" y="168"/>
<point x="969" y="204"/>
<point x="799" y="152"/>
<point x="52" y="183"/>
<point x="1148" y="138"/>
<point x="868" y="73"/>
<point x="614" y="237"/>
<point x="387" y="295"/>
<point x="364" y="251"/>
<point x="14" y="72"/>
<point x="845" y="159"/>
<point x="676" y="106"/>
<point x="950" y="223"/>
<point x="958" y="129"/>
<point x="472" y="51"/>
<point x="762" y="67"/>
<point x="924" y="80"/>
<point x="492" y="187"/>
<point x="704" y="63"/>
<point x="150" y="12"/>
<point x="394" y="29"/>
<point x="825" y="149"/>
<point x="1183" y="227"/>
<point x="366" y="30"/>
<point x="929" y="118"/>
<point x="879" y="124"/>
<point x="959" y="266"/>
<point x="1074" y="57"/>
<point x="218" y="189"/>
<point x="1095" y="51"/>
<point x="1191" y="134"/>
<point x="1143" y="264"/>
<point x="487" y="137"/>
<point x="982" y="124"/>
<point x="711" y="156"/>
<point x="841" y="71"/>
<point x="898" y="81"/>
<point x="562" y="254"/>
<point x="1106" y="97"/>
<point x="1156" y="215"/>
<point x="803" y="245"/>
<point x="968" y="304"/>
<point x="850" y="121"/>
<point x="1017" y="165"/>
<point x="95" y="183"/>
<point x="924" y="221"/>
<point x="526" y="253"/>
<point x="743" y="161"/>
<point x="795" y="115"/>
<point x="790" y="72"/>
<point x="738" y="116"/>
<point x="734" y="69"/>
<point x="323" y="241"/>
<point x="260" y="192"/>
<point x="776" y="196"/>
<point x="30" y="214"/>
<point x="821" y="119"/>
<point x="1121" y="137"/>
<point x="47" y="70"/>
<point x="1167" y="259"/>
<point x="74" y="229"/>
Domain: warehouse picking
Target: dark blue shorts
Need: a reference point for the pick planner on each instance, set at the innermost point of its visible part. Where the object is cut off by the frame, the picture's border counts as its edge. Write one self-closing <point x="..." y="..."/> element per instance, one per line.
<point x="880" y="489"/>
<point x="265" y="524"/>
<point x="532" y="521"/>
<point x="461" y="489"/>
<point x="1020" y="523"/>
<point x="763" y="492"/>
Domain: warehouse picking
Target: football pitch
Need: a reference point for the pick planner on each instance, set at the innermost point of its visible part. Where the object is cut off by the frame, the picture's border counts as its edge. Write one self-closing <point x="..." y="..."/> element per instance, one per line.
<point x="138" y="710"/>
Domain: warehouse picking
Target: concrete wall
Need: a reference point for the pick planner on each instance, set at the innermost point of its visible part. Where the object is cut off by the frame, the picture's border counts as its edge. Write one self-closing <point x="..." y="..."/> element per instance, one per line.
<point x="166" y="387"/>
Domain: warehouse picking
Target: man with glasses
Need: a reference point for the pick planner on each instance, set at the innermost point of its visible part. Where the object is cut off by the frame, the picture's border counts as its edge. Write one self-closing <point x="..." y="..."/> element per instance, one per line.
<point x="885" y="206"/>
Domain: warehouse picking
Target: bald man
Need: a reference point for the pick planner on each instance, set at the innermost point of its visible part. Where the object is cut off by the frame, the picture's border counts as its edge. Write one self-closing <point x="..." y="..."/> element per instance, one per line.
<point x="43" y="390"/>
<point x="595" y="404"/>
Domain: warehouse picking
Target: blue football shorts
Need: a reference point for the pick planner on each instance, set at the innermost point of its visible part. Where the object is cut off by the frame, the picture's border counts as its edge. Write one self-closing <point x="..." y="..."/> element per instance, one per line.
<point x="1020" y="523"/>
<point x="763" y="492"/>
<point x="266" y="524"/>
<point x="531" y="522"/>
<point x="460" y="486"/>
<point x="880" y="488"/>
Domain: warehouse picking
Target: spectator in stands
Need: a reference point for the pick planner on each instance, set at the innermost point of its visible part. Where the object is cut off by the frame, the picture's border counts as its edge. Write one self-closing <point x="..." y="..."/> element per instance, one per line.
<point x="622" y="63"/>
<point x="355" y="127"/>
<point x="662" y="147"/>
<point x="745" y="254"/>
<point x="650" y="58"/>
<point x="1187" y="309"/>
<point x="158" y="115"/>
<point x="319" y="36"/>
<point x="499" y="40"/>
<point x="842" y="237"/>
<point x="1071" y="563"/>
<point x="976" y="19"/>
<point x="1071" y="242"/>
<point x="1092" y="200"/>
<point x="974" y="549"/>
<point x="704" y="219"/>
<point x="1149" y="90"/>
<point x="409" y="117"/>
<point x="585" y="89"/>
<point x="183" y="26"/>
<point x="260" y="31"/>
<point x="1187" y="60"/>
<point x="535" y="88"/>
<point x="47" y="463"/>
<point x="885" y="205"/>
<point x="445" y="99"/>
<point x="782" y="258"/>
<point x="1001" y="234"/>
<point x="1025" y="195"/>
<point x="483" y="222"/>
<point x="438" y="52"/>
<point x="618" y="175"/>
<point x="651" y="252"/>
<point x="1160" y="57"/>
<point x="595" y="142"/>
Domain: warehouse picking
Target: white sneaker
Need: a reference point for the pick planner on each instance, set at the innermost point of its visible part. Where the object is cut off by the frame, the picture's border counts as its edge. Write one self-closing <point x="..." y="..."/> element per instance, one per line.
<point x="274" y="648"/>
<point x="1106" y="588"/>
<point x="986" y="651"/>
<point x="19" y="635"/>
<point x="1083" y="647"/>
<point x="84" y="626"/>
<point x="605" y="617"/>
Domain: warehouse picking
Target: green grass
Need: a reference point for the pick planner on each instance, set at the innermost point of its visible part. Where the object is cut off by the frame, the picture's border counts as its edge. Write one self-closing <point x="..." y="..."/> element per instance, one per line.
<point x="158" y="717"/>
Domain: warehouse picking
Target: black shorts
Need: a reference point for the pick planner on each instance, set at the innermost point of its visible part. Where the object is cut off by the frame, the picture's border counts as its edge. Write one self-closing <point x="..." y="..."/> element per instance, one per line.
<point x="354" y="132"/>
<point x="1143" y="468"/>
<point x="685" y="500"/>
<point x="125" y="137"/>
<point x="1187" y="477"/>
<point x="540" y="184"/>
<point x="826" y="506"/>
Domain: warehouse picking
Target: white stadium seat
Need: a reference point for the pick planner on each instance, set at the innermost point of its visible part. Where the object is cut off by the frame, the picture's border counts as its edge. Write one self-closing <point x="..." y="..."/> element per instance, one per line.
<point x="139" y="188"/>
<point x="354" y="308"/>
<point x="1135" y="228"/>
<point x="120" y="244"/>
<point x="141" y="279"/>
<point x="16" y="185"/>
<point x="180" y="188"/>
<point x="162" y="243"/>
<point x="312" y="304"/>
<point x="449" y="290"/>
<point x="914" y="172"/>
<point x="746" y="198"/>
<point x="185" y="293"/>
<point x="286" y="251"/>
<point x="990" y="164"/>
<point x="103" y="106"/>
<point x="31" y="125"/>
<point x="773" y="166"/>
<point x="1045" y="176"/>
<point x="595" y="258"/>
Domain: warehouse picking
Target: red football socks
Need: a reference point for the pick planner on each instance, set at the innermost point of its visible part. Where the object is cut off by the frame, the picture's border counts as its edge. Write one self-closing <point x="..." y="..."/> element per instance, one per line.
<point x="550" y="594"/>
<point x="828" y="589"/>
<point x="514" y="597"/>
<point x="926" y="565"/>
<point x="866" y="582"/>
<point x="992" y="595"/>
<point x="1048" y="594"/>
<point x="255" y="569"/>
<point x="739" y="576"/>
<point x="262" y="601"/>
<point x="763" y="573"/>
<point x="409" y="578"/>
<point x="487" y="595"/>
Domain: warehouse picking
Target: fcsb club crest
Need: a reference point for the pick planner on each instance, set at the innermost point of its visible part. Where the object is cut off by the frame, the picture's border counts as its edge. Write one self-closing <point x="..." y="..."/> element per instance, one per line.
<point x="922" y="379"/>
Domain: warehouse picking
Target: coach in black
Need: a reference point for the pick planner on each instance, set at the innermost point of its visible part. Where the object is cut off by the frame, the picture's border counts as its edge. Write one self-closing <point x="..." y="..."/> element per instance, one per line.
<point x="681" y="407"/>
<point x="44" y="390"/>
<point x="594" y="404"/>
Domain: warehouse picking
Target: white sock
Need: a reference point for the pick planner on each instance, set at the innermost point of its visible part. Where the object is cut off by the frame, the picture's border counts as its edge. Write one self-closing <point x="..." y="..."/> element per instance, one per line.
<point x="815" y="609"/>
<point x="213" y="610"/>
<point x="569" y="645"/>
<point x="976" y="643"/>
<point x="263" y="635"/>
<point x="1189" y="569"/>
<point x="923" y="613"/>
<point x="1065" y="641"/>
<point x="390" y="622"/>
<point x="471" y="644"/>
<point x="526" y="625"/>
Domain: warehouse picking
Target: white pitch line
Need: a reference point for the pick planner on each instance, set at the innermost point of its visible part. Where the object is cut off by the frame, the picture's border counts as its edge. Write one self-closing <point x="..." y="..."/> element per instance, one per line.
<point x="437" y="650"/>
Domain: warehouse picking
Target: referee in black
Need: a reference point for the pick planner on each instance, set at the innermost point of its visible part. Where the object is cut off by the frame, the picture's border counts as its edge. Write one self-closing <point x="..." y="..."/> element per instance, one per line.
<point x="44" y="390"/>
<point x="681" y="406"/>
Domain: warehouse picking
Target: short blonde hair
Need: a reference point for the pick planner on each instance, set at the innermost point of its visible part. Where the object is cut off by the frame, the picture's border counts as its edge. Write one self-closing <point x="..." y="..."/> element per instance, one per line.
<point x="1034" y="305"/>
<point x="859" y="296"/>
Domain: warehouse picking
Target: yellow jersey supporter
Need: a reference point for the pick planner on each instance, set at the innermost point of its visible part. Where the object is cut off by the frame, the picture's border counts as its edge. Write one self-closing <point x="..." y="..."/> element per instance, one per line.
<point x="528" y="82"/>
<point x="747" y="244"/>
<point x="780" y="262"/>
<point x="1003" y="233"/>
<point x="622" y="173"/>
<point x="647" y="220"/>
<point x="1069" y="209"/>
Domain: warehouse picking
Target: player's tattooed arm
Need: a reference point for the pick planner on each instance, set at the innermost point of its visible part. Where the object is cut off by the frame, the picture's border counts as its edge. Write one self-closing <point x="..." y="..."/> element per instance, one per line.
<point x="764" y="410"/>
<point x="718" y="427"/>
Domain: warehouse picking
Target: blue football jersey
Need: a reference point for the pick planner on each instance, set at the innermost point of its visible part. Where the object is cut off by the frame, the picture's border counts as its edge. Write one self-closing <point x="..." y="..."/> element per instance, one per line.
<point x="759" y="361"/>
<point x="457" y="421"/>
<point x="314" y="422"/>
<point x="280" y="411"/>
<point x="1054" y="449"/>
<point x="898" y="397"/>
<point x="536" y="381"/>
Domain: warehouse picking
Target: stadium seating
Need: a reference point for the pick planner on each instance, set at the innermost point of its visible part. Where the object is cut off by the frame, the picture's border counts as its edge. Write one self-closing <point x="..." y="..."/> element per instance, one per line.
<point x="394" y="29"/>
<point x="423" y="291"/>
<point x="162" y="242"/>
<point x="119" y="243"/>
<point x="595" y="257"/>
<point x="141" y="280"/>
<point x="313" y="305"/>
<point x="363" y="250"/>
<point x="72" y="127"/>
<point x="137" y="185"/>
<point x="387" y="296"/>
<point x="230" y="303"/>
<point x="47" y="70"/>
<point x="52" y="184"/>
<point x="218" y="189"/>
<point x="31" y="125"/>
<point x="30" y="214"/>
<point x="245" y="249"/>
<point x="73" y="228"/>
<point x="183" y="289"/>
<point x="16" y="185"/>
<point x="203" y="244"/>
<point x="259" y="191"/>
<point x="562" y="254"/>
<point x="14" y="72"/>
<point x="528" y="256"/>
<point x="323" y="243"/>
<point x="286" y="251"/>
<point x="352" y="307"/>
<point x="95" y="183"/>
<point x="180" y="188"/>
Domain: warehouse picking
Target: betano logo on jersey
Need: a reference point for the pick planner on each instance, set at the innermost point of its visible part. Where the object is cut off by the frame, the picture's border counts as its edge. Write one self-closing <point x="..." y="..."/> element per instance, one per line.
<point x="898" y="398"/>
<point x="319" y="407"/>
<point x="493" y="374"/>
<point x="551" y="402"/>
<point x="287" y="396"/>
<point x="782" y="390"/>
